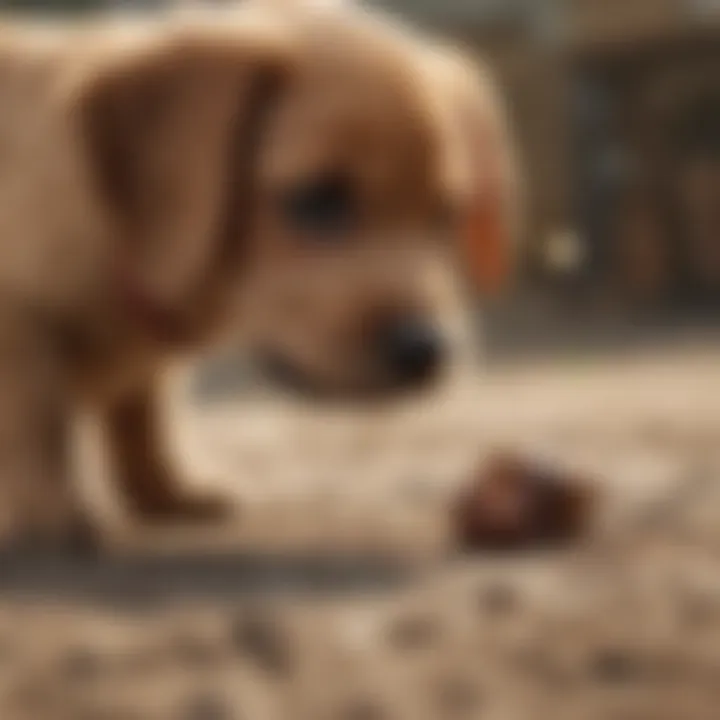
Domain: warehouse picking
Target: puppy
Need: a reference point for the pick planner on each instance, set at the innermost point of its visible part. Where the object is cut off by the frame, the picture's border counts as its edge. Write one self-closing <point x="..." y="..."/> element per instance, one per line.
<point x="300" y="179"/>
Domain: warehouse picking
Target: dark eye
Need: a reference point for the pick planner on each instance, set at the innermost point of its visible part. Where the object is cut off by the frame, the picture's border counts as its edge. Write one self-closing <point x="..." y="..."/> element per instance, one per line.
<point x="325" y="206"/>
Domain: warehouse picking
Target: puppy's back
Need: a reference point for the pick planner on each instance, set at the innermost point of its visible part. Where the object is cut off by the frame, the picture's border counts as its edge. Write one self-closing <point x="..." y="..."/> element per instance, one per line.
<point x="50" y="234"/>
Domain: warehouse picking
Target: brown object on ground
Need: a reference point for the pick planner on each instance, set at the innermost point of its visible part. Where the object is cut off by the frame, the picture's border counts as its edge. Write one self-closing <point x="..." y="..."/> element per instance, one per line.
<point x="513" y="503"/>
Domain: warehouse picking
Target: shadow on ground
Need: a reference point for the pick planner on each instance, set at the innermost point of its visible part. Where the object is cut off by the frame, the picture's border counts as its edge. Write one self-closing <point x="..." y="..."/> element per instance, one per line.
<point x="228" y="575"/>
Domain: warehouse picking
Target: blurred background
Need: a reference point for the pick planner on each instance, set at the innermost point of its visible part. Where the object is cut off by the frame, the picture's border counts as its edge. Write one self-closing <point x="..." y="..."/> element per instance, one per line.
<point x="616" y="104"/>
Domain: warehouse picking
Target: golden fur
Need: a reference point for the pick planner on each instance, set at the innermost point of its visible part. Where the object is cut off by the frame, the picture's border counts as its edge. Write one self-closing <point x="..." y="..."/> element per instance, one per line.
<point x="140" y="160"/>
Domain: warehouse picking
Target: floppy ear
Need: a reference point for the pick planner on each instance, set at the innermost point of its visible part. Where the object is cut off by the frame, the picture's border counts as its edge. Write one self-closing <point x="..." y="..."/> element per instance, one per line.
<point x="167" y="127"/>
<point x="492" y="226"/>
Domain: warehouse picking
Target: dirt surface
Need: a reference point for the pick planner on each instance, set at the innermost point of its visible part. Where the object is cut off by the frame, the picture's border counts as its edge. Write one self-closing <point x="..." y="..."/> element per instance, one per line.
<point x="349" y="602"/>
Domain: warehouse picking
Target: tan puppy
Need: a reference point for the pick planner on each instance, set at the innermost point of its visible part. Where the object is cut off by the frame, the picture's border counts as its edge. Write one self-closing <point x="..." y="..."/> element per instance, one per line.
<point x="293" y="178"/>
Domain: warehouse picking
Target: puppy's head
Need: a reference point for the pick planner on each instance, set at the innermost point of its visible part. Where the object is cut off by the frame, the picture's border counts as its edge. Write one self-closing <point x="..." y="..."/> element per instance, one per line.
<point x="312" y="191"/>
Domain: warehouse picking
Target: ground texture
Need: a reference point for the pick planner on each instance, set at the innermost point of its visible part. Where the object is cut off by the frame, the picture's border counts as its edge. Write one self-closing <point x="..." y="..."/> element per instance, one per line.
<point x="624" y="626"/>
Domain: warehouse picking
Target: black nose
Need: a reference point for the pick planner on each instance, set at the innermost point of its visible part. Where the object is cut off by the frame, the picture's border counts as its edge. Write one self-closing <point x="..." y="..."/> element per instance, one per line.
<point x="411" y="350"/>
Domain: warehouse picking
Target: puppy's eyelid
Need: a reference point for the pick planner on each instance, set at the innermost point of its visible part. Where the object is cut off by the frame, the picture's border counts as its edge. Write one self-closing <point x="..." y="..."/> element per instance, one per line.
<point x="323" y="206"/>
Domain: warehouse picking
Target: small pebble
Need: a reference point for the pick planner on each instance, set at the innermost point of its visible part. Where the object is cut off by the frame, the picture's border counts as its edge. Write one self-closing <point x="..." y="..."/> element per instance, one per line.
<point x="260" y="638"/>
<point x="8" y="650"/>
<point x="512" y="503"/>
<point x="697" y="610"/>
<point x="81" y="665"/>
<point x="498" y="600"/>
<point x="363" y="709"/>
<point x="615" y="666"/>
<point x="413" y="632"/>
<point x="458" y="697"/>
<point x="206" y="707"/>
<point x="196" y="652"/>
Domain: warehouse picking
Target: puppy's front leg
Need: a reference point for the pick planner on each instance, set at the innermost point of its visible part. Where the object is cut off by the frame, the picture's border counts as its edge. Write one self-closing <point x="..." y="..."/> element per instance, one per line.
<point x="142" y="469"/>
<point x="39" y="508"/>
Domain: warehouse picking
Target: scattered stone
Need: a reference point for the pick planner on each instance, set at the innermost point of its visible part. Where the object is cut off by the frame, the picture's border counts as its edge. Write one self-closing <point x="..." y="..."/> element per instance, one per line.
<point x="260" y="638"/>
<point x="206" y="707"/>
<point x="107" y="713"/>
<point x="498" y="600"/>
<point x="413" y="632"/>
<point x="616" y="666"/>
<point x="538" y="664"/>
<point x="81" y="665"/>
<point x="458" y="697"/>
<point x="698" y="611"/>
<point x="8" y="650"/>
<point x="195" y="652"/>
<point x="363" y="709"/>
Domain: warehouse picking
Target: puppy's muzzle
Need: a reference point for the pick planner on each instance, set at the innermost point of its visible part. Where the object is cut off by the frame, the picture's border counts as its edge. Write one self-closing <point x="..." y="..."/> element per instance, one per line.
<point x="393" y="354"/>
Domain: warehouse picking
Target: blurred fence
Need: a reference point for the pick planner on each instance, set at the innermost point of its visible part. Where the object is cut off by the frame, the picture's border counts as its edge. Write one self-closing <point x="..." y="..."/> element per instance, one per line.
<point x="616" y="104"/>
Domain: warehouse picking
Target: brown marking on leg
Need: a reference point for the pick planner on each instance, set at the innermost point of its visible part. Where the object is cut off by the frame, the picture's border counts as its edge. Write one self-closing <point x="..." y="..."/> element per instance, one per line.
<point x="142" y="469"/>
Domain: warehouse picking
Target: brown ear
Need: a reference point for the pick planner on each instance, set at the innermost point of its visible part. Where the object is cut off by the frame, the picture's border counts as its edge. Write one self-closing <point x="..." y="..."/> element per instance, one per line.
<point x="167" y="124"/>
<point x="491" y="230"/>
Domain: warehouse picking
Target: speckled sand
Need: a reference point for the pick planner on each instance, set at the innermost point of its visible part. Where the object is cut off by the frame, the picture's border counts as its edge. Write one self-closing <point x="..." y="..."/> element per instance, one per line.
<point x="625" y="627"/>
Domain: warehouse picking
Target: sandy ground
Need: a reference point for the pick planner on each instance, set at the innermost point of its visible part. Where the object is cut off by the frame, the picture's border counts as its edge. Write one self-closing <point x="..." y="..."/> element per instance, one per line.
<point x="313" y="621"/>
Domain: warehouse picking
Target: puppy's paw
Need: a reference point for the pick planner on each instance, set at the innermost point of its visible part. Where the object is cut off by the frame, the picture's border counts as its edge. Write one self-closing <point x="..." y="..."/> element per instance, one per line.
<point x="184" y="506"/>
<point x="78" y="539"/>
